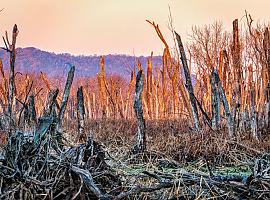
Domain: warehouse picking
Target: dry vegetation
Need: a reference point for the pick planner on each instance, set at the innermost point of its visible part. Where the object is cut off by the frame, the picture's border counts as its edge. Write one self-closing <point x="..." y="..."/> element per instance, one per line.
<point x="202" y="122"/>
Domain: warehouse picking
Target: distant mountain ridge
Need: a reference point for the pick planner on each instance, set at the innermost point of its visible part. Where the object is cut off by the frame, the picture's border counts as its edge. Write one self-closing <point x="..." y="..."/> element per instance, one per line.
<point x="30" y="59"/>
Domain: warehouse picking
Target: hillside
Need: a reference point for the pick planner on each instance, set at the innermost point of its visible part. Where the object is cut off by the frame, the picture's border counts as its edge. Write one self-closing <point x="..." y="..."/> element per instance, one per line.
<point x="31" y="59"/>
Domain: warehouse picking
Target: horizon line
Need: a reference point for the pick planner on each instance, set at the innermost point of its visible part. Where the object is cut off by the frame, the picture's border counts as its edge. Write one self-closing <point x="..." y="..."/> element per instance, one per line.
<point x="86" y="55"/>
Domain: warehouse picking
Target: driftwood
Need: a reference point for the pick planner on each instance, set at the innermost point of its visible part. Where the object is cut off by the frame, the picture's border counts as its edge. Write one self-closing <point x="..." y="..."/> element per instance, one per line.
<point x="188" y="82"/>
<point x="141" y="137"/>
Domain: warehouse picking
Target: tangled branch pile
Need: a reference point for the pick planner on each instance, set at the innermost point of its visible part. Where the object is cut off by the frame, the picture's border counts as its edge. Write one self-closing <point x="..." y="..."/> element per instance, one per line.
<point x="41" y="169"/>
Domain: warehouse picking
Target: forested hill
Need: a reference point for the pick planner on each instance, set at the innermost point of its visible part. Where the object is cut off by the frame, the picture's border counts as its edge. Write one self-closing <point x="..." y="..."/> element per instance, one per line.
<point x="30" y="60"/>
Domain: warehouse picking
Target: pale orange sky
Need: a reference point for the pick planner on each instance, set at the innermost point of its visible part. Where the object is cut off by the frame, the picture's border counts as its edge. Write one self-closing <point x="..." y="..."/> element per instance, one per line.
<point x="115" y="26"/>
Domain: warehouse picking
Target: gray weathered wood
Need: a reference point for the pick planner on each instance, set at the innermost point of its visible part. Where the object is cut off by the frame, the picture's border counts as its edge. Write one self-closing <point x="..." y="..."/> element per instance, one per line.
<point x="11" y="48"/>
<point x="188" y="83"/>
<point x="65" y="97"/>
<point x="80" y="112"/>
<point x="215" y="104"/>
<point x="228" y="115"/>
<point x="49" y="109"/>
<point x="89" y="181"/>
<point x="141" y="137"/>
<point x="266" y="45"/>
<point x="254" y="118"/>
<point x="32" y="109"/>
<point x="238" y="76"/>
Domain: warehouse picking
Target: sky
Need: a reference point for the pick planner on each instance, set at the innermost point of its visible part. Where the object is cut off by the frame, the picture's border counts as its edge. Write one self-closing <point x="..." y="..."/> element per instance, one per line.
<point x="88" y="27"/>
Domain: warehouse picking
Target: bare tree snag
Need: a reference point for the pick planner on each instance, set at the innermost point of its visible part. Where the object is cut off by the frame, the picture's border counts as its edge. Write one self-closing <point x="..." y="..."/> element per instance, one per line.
<point x="80" y="113"/>
<point x="4" y="86"/>
<point x="11" y="48"/>
<point x="48" y="119"/>
<point x="215" y="104"/>
<point x="49" y="109"/>
<point x="228" y="115"/>
<point x="32" y="109"/>
<point x="141" y="137"/>
<point x="102" y="90"/>
<point x="266" y="47"/>
<point x="188" y="82"/>
<point x="149" y="87"/>
<point x="66" y="95"/>
<point x="253" y="123"/>
<point x="164" y="84"/>
<point x="236" y="59"/>
<point x="45" y="80"/>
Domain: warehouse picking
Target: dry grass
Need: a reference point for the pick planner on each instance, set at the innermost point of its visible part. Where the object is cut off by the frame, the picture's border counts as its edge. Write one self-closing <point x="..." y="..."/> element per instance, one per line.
<point x="175" y="140"/>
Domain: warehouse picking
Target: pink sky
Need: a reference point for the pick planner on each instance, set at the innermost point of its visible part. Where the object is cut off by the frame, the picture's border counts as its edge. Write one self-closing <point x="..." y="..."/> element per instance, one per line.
<point x="115" y="26"/>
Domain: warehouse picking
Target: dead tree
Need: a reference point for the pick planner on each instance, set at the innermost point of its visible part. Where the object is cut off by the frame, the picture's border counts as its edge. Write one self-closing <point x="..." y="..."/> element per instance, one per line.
<point x="215" y="104"/>
<point x="236" y="59"/>
<point x="11" y="48"/>
<point x="141" y="137"/>
<point x="48" y="120"/>
<point x="228" y="115"/>
<point x="49" y="109"/>
<point x="188" y="82"/>
<point x="29" y="113"/>
<point x="80" y="113"/>
<point x="66" y="95"/>
<point x="266" y="47"/>
<point x="32" y="109"/>
<point x="3" y="87"/>
<point x="102" y="89"/>
<point x="253" y="123"/>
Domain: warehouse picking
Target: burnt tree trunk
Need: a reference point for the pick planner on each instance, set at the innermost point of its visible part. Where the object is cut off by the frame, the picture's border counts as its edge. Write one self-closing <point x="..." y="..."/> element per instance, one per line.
<point x="80" y="113"/>
<point x="188" y="83"/>
<point x="227" y="111"/>
<point x="48" y="120"/>
<point x="253" y="123"/>
<point x="11" y="48"/>
<point x="236" y="59"/>
<point x="49" y="109"/>
<point x="266" y="46"/>
<point x="215" y="104"/>
<point x="66" y="96"/>
<point x="32" y="109"/>
<point x="141" y="137"/>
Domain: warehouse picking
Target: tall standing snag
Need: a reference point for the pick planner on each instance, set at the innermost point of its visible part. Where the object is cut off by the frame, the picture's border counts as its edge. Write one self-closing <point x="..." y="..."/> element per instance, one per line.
<point x="215" y="103"/>
<point x="188" y="82"/>
<point x="266" y="46"/>
<point x="11" y="48"/>
<point x="141" y="138"/>
<point x="227" y="111"/>
<point x="236" y="59"/>
<point x="253" y="122"/>
<point x="80" y="112"/>
<point x="66" y="95"/>
<point x="102" y="89"/>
